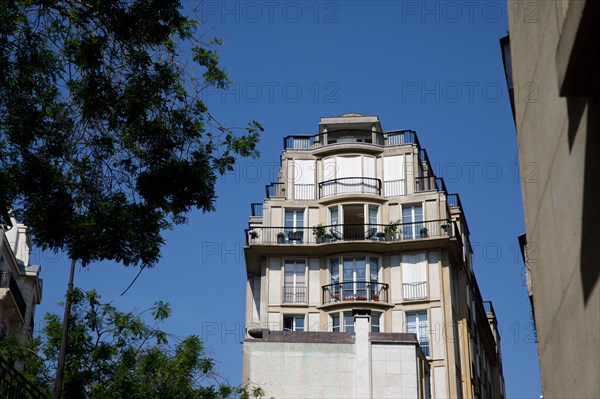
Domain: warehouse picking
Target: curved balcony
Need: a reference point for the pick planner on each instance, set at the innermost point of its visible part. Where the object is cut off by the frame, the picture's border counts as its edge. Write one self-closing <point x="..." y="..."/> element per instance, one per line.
<point x="320" y="235"/>
<point x="355" y="291"/>
<point x="350" y="185"/>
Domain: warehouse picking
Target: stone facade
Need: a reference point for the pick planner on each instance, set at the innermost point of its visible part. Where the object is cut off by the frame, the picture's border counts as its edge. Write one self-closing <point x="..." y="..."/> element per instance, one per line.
<point x="554" y="54"/>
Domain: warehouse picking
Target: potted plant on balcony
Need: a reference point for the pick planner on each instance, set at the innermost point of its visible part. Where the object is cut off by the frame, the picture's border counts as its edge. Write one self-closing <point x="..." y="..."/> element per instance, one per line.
<point x="329" y="238"/>
<point x="253" y="234"/>
<point x="361" y="298"/>
<point x="280" y="238"/>
<point x="375" y="297"/>
<point x="380" y="236"/>
<point x="319" y="233"/>
<point x="295" y="235"/>
<point x="390" y="230"/>
<point x="445" y="226"/>
<point x="423" y="231"/>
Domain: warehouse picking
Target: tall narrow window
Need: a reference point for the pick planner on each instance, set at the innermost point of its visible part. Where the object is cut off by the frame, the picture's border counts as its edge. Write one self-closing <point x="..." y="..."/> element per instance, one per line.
<point x="294" y="224"/>
<point x="375" y="320"/>
<point x="335" y="320"/>
<point x="304" y="179"/>
<point x="334" y="221"/>
<point x="416" y="323"/>
<point x="372" y="221"/>
<point x="348" y="322"/>
<point x="293" y="323"/>
<point x="334" y="287"/>
<point x="375" y="289"/>
<point x="294" y="286"/>
<point x="355" y="278"/>
<point x="414" y="276"/>
<point x="412" y="222"/>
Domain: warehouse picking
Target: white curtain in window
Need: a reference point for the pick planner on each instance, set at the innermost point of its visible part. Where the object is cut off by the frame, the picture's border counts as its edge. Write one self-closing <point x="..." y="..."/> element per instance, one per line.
<point x="304" y="180"/>
<point x="393" y="172"/>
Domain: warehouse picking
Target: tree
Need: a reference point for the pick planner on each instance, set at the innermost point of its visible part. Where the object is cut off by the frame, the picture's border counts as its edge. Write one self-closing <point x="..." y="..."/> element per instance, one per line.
<point x="114" y="354"/>
<point x="105" y="140"/>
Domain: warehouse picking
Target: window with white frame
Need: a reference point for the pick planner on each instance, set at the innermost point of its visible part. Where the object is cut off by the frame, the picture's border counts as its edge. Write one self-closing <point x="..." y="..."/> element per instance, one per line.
<point x="393" y="172"/>
<point x="416" y="323"/>
<point x="294" y="225"/>
<point x="335" y="322"/>
<point x="293" y="323"/>
<point x="304" y="179"/>
<point x="294" y="282"/>
<point x="354" y="278"/>
<point x="375" y="322"/>
<point x="412" y="222"/>
<point x="373" y="220"/>
<point x="414" y="276"/>
<point x="348" y="322"/>
<point x="344" y="322"/>
<point x="334" y="221"/>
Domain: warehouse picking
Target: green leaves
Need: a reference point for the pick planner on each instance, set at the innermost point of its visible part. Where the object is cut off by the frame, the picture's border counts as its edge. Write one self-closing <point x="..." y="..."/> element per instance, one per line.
<point x="114" y="354"/>
<point x="104" y="141"/>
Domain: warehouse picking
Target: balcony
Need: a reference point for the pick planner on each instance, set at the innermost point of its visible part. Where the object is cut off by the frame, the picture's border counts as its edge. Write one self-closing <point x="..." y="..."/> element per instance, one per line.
<point x="353" y="291"/>
<point x="393" y="232"/>
<point x="350" y="185"/>
<point x="8" y="281"/>
<point x="294" y="294"/>
<point x="414" y="291"/>
<point x="390" y="139"/>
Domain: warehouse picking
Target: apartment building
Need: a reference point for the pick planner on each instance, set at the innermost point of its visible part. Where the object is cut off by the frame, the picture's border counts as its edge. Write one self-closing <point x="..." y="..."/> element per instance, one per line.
<point x="360" y="275"/>
<point x="20" y="285"/>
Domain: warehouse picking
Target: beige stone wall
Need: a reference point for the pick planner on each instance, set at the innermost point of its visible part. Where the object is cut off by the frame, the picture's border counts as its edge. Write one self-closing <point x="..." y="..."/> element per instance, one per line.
<point x="557" y="139"/>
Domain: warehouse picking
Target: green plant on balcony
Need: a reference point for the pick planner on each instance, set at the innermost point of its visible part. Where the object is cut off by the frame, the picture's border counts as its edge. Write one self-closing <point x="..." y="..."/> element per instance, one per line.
<point x="380" y="235"/>
<point x="423" y="230"/>
<point x="253" y="234"/>
<point x="329" y="237"/>
<point x="319" y="233"/>
<point x="445" y="227"/>
<point x="391" y="230"/>
<point x="280" y="238"/>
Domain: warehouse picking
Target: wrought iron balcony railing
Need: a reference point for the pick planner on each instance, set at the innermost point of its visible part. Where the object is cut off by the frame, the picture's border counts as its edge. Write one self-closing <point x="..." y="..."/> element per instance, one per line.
<point x="349" y="232"/>
<point x="294" y="294"/>
<point x="389" y="139"/>
<point x="349" y="291"/>
<point x="350" y="185"/>
<point x="414" y="291"/>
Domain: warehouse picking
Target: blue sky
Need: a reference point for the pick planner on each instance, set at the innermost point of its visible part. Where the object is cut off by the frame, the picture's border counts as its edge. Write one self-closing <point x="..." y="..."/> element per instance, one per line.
<point x="434" y="67"/>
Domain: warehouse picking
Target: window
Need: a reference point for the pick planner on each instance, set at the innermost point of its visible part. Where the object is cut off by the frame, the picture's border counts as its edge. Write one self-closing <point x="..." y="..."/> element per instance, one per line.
<point x="354" y="284"/>
<point x="348" y="322"/>
<point x="293" y="323"/>
<point x="393" y="169"/>
<point x="416" y="323"/>
<point x="294" y="282"/>
<point x="294" y="224"/>
<point x="335" y="321"/>
<point x="334" y="221"/>
<point x="412" y="222"/>
<point x="414" y="276"/>
<point x="375" y="320"/>
<point x="355" y="278"/>
<point x="372" y="221"/>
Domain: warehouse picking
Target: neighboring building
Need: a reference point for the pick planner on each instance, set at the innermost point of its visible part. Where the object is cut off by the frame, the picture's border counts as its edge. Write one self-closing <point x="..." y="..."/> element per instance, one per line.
<point x="20" y="285"/>
<point x="553" y="68"/>
<point x="360" y="275"/>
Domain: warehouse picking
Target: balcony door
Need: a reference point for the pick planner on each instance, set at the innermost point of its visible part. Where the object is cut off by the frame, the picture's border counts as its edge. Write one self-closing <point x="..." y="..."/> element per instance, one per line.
<point x="294" y="285"/>
<point x="412" y="221"/>
<point x="294" y="225"/>
<point x="354" y="222"/>
<point x="355" y="278"/>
